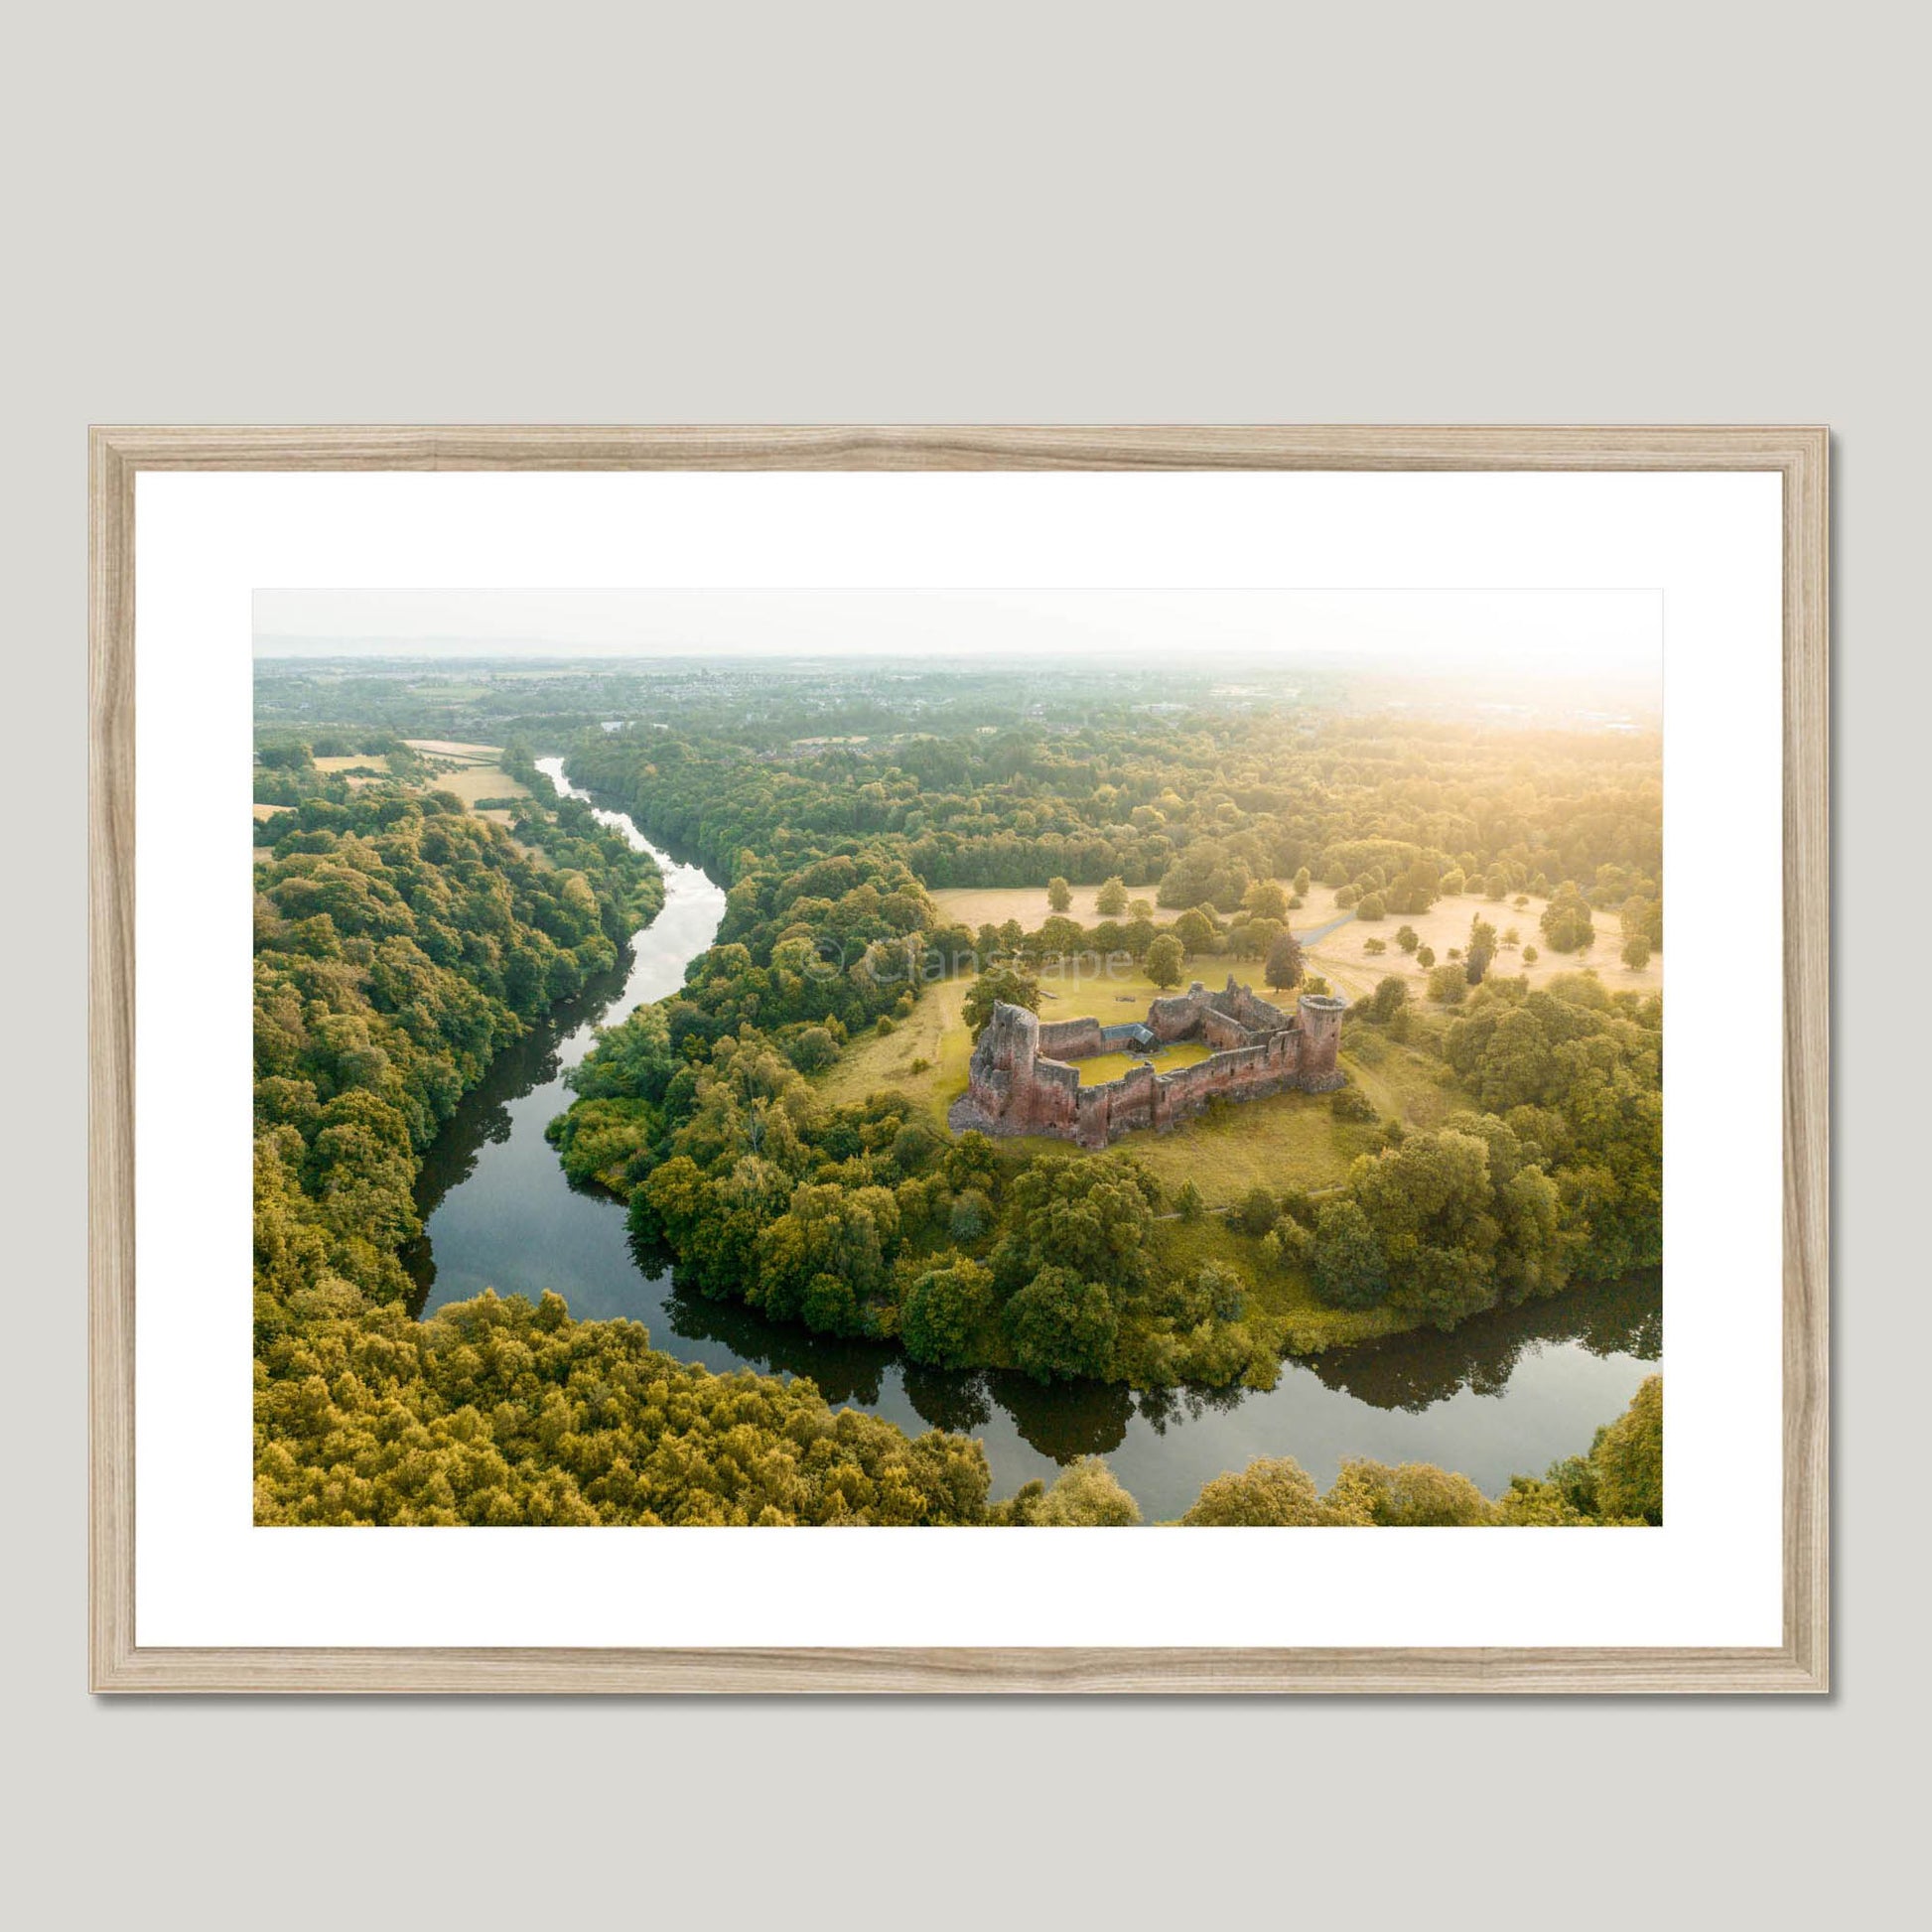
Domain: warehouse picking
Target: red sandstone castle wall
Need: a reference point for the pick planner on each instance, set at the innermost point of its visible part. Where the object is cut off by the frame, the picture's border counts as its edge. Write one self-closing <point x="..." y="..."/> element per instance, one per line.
<point x="1172" y="1018"/>
<point x="1070" y="1038"/>
<point x="1220" y="1033"/>
<point x="1014" y="1087"/>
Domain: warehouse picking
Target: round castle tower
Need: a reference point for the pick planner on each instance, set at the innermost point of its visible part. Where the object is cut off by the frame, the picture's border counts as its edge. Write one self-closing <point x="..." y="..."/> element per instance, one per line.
<point x="1321" y="1015"/>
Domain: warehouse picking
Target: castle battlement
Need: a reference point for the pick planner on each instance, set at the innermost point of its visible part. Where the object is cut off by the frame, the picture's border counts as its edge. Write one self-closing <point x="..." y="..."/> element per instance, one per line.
<point x="1023" y="1077"/>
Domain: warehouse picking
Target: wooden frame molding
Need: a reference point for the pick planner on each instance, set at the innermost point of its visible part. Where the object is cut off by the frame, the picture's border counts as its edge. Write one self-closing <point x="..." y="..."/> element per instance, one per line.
<point x="1799" y="1664"/>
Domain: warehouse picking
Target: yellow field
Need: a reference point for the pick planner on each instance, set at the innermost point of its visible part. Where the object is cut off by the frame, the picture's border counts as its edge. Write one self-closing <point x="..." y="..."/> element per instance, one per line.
<point x="269" y="811"/>
<point x="978" y="906"/>
<point x="450" y="747"/>
<point x="359" y="762"/>
<point x="475" y="781"/>
<point x="1340" y="958"/>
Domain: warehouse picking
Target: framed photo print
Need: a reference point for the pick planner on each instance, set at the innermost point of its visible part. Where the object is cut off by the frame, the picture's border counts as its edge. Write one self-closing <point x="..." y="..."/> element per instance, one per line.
<point x="944" y="990"/>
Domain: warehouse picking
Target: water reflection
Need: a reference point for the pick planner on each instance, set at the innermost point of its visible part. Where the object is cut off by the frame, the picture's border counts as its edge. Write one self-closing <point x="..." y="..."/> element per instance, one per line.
<point x="1415" y="1371"/>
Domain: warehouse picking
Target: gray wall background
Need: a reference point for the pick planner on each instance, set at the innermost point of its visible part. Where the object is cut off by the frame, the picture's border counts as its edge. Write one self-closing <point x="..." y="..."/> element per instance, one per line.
<point x="891" y="213"/>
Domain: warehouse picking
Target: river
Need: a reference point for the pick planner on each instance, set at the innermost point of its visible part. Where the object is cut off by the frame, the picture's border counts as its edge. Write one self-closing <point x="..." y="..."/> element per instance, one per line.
<point x="1505" y="1392"/>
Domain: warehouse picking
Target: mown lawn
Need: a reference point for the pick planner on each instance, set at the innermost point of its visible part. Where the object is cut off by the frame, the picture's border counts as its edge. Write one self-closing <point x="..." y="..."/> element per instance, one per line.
<point x="1099" y="1069"/>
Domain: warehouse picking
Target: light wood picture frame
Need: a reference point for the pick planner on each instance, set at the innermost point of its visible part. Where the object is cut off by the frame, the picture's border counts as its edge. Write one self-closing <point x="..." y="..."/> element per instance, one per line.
<point x="1799" y="1663"/>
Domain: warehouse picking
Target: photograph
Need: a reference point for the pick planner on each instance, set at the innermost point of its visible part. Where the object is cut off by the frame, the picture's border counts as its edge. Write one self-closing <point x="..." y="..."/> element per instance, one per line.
<point x="1084" y="1058"/>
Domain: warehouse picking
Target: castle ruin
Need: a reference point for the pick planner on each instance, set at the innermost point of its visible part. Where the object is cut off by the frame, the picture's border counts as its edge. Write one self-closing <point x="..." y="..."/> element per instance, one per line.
<point x="1021" y="1078"/>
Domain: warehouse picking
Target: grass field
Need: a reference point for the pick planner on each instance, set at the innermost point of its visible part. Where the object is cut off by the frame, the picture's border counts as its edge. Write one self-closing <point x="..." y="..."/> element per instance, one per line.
<point x="451" y="747"/>
<point x="978" y="906"/>
<point x="1102" y="1067"/>
<point x="475" y="781"/>
<point x="1290" y="1139"/>
<point x="935" y="1035"/>
<point x="1340" y="958"/>
<point x="468" y="770"/>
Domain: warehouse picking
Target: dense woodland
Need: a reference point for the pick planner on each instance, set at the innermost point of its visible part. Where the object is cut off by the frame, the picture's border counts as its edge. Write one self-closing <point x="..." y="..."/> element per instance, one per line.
<point x="401" y="941"/>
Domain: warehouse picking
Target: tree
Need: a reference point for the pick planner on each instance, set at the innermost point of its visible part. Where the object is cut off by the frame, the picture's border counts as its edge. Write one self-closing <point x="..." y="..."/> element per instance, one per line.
<point x="1425" y="957"/>
<point x="1062" y="1328"/>
<point x="1265" y="899"/>
<point x="1448" y="984"/>
<point x="1567" y="922"/>
<point x="1375" y="947"/>
<point x="1636" y="952"/>
<point x="634" y="1059"/>
<point x="1060" y="895"/>
<point x="1530" y="955"/>
<point x="1219" y="1294"/>
<point x="1188" y="1203"/>
<point x="1407" y="939"/>
<point x="1431" y="1209"/>
<point x="1087" y="1495"/>
<point x="1272" y="1492"/>
<point x="1351" y="1270"/>
<point x="1483" y="949"/>
<point x="1008" y="982"/>
<point x="1391" y="994"/>
<point x="1254" y="939"/>
<point x="1195" y="931"/>
<point x="1089" y="1214"/>
<point x="943" y="1311"/>
<point x="1111" y="900"/>
<point x="1285" y="963"/>
<point x="1164" y="962"/>
<point x="1643" y="917"/>
<point x="1257" y="1212"/>
<point x="1414" y="1495"/>
<point x="1628" y="1458"/>
<point x="1351" y="1103"/>
<point x="1371" y="907"/>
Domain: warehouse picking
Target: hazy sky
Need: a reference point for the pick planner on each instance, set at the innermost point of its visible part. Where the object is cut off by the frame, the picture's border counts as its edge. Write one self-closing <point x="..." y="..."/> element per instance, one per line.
<point x="1590" y="633"/>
